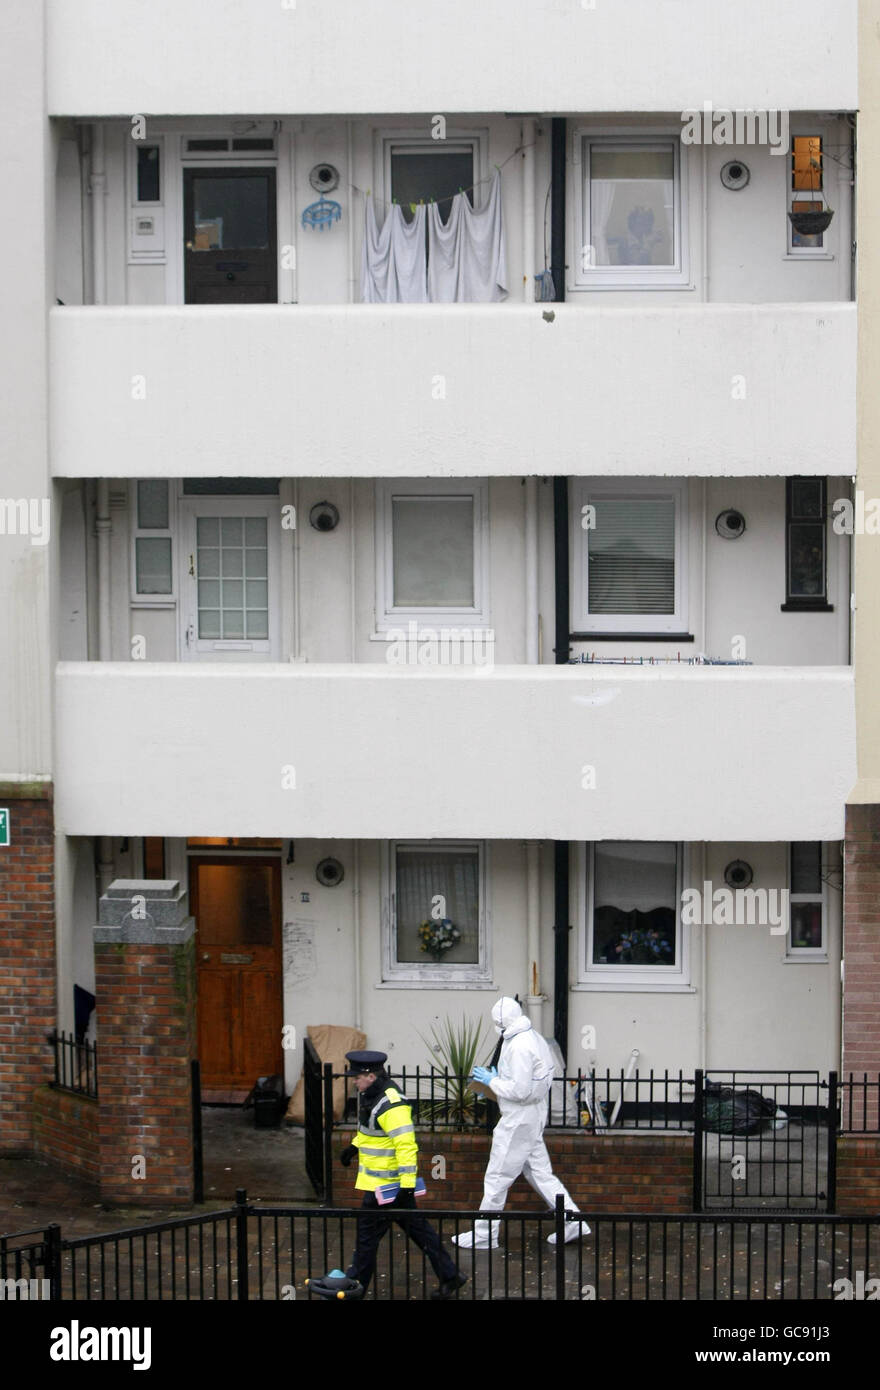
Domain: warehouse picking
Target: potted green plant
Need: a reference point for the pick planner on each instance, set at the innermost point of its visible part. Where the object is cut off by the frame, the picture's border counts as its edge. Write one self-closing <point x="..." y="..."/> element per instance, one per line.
<point x="458" y="1047"/>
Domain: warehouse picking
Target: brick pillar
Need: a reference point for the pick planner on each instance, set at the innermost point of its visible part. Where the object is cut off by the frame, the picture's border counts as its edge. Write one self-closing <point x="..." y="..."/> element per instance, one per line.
<point x="27" y="958"/>
<point x="145" y="988"/>
<point x="861" y="945"/>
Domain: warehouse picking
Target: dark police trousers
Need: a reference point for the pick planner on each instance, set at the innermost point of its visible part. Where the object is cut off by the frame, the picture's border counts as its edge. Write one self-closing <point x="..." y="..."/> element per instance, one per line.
<point x="374" y="1220"/>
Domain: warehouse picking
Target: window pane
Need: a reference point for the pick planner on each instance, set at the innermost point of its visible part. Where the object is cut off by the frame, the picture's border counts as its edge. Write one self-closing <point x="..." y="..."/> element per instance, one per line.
<point x="806" y="559"/>
<point x="230" y="606"/>
<point x="230" y="213"/>
<point x="806" y="867"/>
<point x="806" y="163"/>
<point x="631" y="555"/>
<point x="148" y="174"/>
<point x="419" y="175"/>
<point x="806" y="498"/>
<point x="424" y="874"/>
<point x="632" y="207"/>
<point x="433" y="539"/>
<point x="635" y="904"/>
<point x="152" y="504"/>
<point x="153" y="564"/>
<point x="806" y="925"/>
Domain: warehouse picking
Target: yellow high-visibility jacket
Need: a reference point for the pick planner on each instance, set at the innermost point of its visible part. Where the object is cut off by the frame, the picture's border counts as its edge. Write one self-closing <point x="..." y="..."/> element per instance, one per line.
<point x="386" y="1143"/>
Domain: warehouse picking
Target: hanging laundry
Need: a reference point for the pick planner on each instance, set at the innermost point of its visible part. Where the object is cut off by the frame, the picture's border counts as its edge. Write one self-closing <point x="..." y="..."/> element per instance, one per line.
<point x="394" y="270"/>
<point x="467" y="261"/>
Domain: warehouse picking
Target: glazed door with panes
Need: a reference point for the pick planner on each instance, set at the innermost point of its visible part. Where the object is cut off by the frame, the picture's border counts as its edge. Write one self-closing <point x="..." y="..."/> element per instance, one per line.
<point x="237" y="908"/>
<point x="229" y="579"/>
<point x="230" y="242"/>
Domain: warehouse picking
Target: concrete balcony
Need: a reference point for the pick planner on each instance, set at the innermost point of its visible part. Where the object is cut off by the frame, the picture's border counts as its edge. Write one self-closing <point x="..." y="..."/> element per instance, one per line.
<point x="376" y="391"/>
<point x="193" y="57"/>
<point x="368" y="751"/>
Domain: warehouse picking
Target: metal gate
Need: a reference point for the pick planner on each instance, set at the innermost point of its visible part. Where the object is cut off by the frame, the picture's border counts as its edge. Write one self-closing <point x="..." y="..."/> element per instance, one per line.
<point x="318" y="1097"/>
<point x="764" y="1141"/>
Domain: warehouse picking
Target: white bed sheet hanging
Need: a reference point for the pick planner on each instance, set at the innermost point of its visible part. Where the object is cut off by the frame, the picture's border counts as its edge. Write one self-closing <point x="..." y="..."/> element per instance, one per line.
<point x="467" y="259"/>
<point x="394" y="269"/>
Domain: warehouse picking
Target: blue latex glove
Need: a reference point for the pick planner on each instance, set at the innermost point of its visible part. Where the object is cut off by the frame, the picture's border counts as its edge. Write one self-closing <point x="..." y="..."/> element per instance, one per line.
<point x="484" y="1074"/>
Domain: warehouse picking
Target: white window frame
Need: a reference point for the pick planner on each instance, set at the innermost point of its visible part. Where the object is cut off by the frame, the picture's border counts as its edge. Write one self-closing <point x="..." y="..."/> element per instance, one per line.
<point x="646" y="979"/>
<point x="616" y="277"/>
<point x="807" y="954"/>
<point x="583" y="491"/>
<point x="799" y="253"/>
<point x="258" y="504"/>
<point x="138" y="532"/>
<point x="387" y="615"/>
<point x="433" y="975"/>
<point x="388" y="138"/>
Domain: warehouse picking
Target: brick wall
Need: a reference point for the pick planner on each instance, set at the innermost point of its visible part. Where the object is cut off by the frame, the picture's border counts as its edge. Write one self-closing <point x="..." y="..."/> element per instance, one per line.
<point x="146" y="1040"/>
<point x="27" y="959"/>
<point x="861" y="944"/>
<point x="858" y="1174"/>
<point x="66" y="1131"/>
<point x="620" y="1173"/>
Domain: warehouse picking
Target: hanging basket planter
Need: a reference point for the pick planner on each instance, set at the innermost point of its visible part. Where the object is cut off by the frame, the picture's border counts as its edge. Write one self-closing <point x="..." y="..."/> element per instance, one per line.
<point x="811" y="223"/>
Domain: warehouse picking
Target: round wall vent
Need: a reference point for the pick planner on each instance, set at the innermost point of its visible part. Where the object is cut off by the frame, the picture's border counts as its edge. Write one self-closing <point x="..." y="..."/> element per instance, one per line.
<point x="324" y="177"/>
<point x="329" y="872"/>
<point x="324" y="516"/>
<point x="735" y="175"/>
<point x="738" y="874"/>
<point x="730" y="524"/>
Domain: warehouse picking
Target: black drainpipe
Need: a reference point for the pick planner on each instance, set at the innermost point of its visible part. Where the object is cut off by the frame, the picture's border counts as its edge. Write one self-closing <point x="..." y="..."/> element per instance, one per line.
<point x="561" y="925"/>
<point x="557" y="205"/>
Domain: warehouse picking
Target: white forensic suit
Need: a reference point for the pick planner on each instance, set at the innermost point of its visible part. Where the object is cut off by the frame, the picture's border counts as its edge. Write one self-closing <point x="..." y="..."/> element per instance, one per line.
<point x="525" y="1075"/>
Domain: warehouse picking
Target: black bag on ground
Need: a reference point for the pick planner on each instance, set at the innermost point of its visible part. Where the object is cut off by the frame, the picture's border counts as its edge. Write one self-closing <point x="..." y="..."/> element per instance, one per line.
<point x="727" y="1110"/>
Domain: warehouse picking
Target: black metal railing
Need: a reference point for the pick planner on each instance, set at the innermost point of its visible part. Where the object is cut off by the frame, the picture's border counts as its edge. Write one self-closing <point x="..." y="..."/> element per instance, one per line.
<point x="266" y="1253"/>
<point x="859" y="1104"/>
<point x="589" y="1101"/>
<point x="76" y="1064"/>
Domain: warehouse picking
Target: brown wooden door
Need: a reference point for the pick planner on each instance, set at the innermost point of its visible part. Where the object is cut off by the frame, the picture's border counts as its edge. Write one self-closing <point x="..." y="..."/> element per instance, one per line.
<point x="237" y="907"/>
<point x="230" y="254"/>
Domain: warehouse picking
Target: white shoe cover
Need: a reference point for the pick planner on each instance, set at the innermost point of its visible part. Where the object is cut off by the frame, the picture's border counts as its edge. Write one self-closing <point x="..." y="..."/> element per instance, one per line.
<point x="574" y="1230"/>
<point x="479" y="1237"/>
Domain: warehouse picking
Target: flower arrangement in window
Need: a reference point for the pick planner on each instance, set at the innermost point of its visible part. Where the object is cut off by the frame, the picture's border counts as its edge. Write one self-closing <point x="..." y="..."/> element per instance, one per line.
<point x="643" y="946"/>
<point x="438" y="937"/>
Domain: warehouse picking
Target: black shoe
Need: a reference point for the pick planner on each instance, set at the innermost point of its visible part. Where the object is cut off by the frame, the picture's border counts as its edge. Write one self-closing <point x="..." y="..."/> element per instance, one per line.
<point x="449" y="1287"/>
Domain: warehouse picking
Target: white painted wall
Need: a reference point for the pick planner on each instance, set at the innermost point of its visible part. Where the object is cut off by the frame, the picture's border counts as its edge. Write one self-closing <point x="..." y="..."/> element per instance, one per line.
<point x="28" y="179"/>
<point x="738" y="250"/>
<point x="368" y="759"/>
<point x="195" y="55"/>
<point x="332" y="613"/>
<point x="554" y="408"/>
<point x="758" y="1010"/>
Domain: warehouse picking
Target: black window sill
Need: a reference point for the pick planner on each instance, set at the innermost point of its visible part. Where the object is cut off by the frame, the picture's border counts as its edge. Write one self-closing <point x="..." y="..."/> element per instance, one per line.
<point x="630" y="637"/>
<point x="806" y="605"/>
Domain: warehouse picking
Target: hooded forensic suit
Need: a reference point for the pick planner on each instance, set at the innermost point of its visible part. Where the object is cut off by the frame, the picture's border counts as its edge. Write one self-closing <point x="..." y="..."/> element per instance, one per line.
<point x="525" y="1075"/>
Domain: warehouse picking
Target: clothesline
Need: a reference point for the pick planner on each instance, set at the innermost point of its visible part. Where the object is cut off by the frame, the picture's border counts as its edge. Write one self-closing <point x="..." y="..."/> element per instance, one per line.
<point x="368" y="193"/>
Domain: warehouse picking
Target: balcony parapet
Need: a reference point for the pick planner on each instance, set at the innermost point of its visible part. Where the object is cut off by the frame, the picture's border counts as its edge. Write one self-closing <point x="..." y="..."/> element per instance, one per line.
<point x="368" y="751"/>
<point x="460" y="390"/>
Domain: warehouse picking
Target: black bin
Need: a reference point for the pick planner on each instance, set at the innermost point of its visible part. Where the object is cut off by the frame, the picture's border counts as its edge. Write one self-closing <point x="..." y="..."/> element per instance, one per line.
<point x="268" y="1100"/>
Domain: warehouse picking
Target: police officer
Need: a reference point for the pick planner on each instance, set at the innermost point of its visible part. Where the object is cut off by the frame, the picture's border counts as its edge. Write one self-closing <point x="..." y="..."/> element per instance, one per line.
<point x="388" y="1154"/>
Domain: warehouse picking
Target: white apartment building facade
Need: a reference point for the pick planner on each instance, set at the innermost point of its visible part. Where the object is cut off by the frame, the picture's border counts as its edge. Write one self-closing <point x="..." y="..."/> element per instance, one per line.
<point x="518" y="598"/>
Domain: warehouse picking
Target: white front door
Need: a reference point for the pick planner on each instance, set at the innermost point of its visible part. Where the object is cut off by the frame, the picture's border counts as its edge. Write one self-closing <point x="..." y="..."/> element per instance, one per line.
<point x="230" y="592"/>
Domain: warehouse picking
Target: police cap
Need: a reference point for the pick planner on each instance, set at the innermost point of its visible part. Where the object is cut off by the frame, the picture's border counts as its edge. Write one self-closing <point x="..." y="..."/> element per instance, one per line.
<point x="365" y="1061"/>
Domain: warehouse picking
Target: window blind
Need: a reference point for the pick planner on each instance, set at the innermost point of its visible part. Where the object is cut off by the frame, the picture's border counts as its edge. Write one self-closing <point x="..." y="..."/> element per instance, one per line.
<point x="631" y="556"/>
